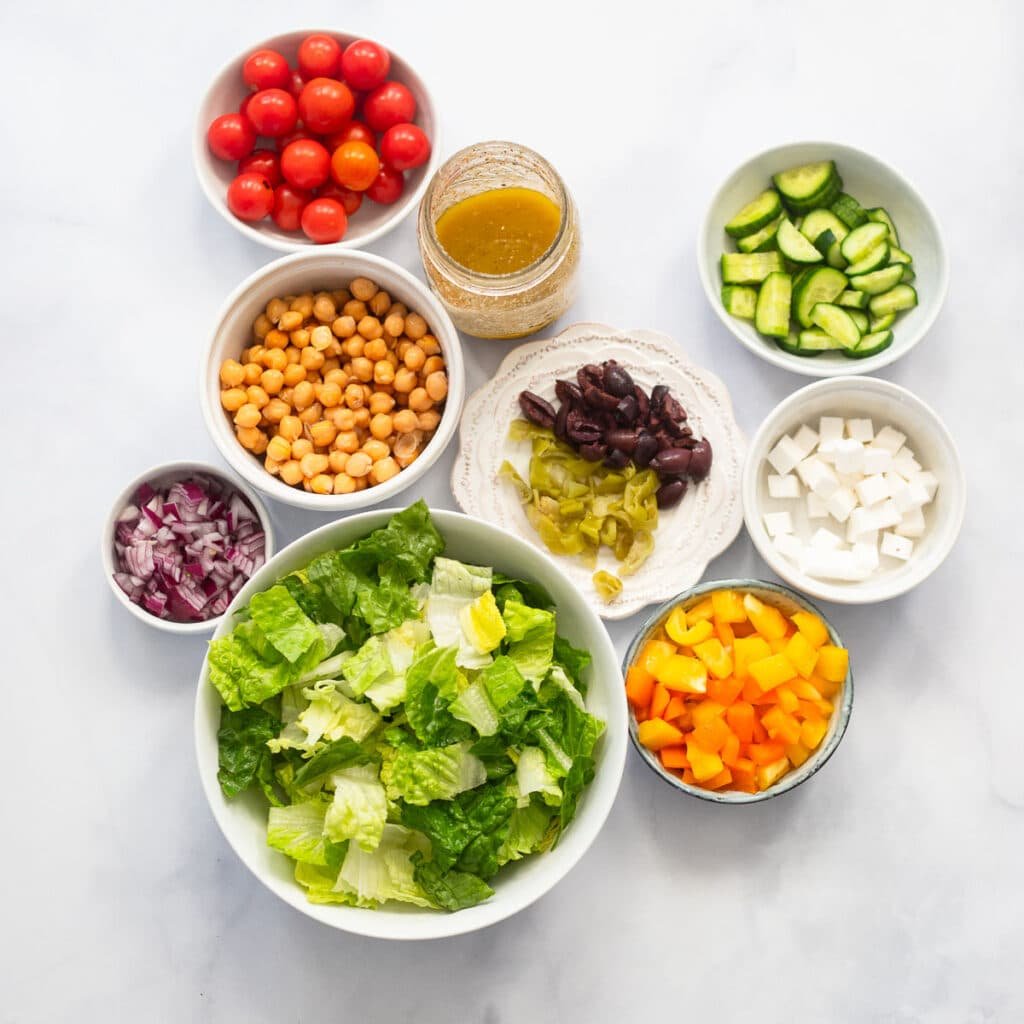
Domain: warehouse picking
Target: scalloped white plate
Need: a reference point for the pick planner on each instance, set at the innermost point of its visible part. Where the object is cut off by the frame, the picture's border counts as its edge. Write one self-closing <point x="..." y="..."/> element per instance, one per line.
<point x="700" y="527"/>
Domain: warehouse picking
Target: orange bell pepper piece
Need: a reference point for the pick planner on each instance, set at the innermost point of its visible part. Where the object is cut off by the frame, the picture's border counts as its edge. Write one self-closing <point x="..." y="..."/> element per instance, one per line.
<point x="724" y="691"/>
<point x="769" y="774"/>
<point x="701" y="610"/>
<point x="704" y="764"/>
<point x="788" y="700"/>
<point x="730" y="751"/>
<point x="719" y="781"/>
<point x="656" y="733"/>
<point x="740" y="717"/>
<point x="674" y="757"/>
<point x="797" y="754"/>
<point x="760" y="732"/>
<point x="659" y="701"/>
<point x="813" y="732"/>
<point x="728" y="606"/>
<point x="711" y="735"/>
<point x="639" y="686"/>
<point x="766" y="753"/>
<point x="676" y="708"/>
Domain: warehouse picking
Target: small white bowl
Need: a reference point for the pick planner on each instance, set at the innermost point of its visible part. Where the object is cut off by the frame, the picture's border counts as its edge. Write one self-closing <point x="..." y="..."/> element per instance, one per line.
<point x="244" y="819"/>
<point x="372" y="220"/>
<point x="872" y="183"/>
<point x="886" y="404"/>
<point x="168" y="473"/>
<point x="323" y="269"/>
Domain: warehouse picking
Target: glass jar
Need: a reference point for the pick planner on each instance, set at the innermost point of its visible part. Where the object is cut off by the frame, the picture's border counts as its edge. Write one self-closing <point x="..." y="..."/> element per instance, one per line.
<point x="500" y="305"/>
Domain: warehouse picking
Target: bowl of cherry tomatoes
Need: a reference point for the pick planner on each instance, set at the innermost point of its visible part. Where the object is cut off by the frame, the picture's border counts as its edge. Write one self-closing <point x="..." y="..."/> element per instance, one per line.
<point x="315" y="138"/>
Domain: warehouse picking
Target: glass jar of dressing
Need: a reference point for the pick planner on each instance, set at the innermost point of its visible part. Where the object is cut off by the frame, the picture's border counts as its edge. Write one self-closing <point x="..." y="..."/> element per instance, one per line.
<point x="500" y="242"/>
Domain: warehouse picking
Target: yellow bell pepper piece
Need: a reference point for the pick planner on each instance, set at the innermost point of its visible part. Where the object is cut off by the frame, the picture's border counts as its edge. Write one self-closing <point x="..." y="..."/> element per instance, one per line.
<point x="703" y="763"/>
<point x="803" y="656"/>
<point x="833" y="663"/>
<point x="715" y="656"/>
<point x="701" y="610"/>
<point x="728" y="606"/>
<point x="812" y="732"/>
<point x="769" y="774"/>
<point x="769" y="672"/>
<point x="745" y="650"/>
<point x="653" y="654"/>
<point x="768" y="621"/>
<point x="680" y="672"/>
<point x="687" y="636"/>
<point x="797" y="754"/>
<point x="812" y="628"/>
<point x="788" y="700"/>
<point x="656" y="733"/>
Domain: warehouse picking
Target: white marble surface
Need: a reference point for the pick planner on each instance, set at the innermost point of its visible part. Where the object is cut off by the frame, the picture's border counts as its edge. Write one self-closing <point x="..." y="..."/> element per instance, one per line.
<point x="888" y="889"/>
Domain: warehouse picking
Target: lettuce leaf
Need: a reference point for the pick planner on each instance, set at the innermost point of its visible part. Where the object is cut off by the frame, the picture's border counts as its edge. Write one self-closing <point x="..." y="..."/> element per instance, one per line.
<point x="508" y="588"/>
<point x="502" y="680"/>
<point x="454" y="587"/>
<point x="359" y="808"/>
<point x="387" y="604"/>
<point x="473" y="706"/>
<point x="369" y="878"/>
<point x="240" y="676"/>
<point x="438" y="773"/>
<point x="319" y="882"/>
<point x="573" y="660"/>
<point x="242" y="755"/>
<point x="298" y="831"/>
<point x="532" y="776"/>
<point x="531" y="829"/>
<point x="431" y="683"/>
<point x="370" y="663"/>
<point x="531" y="632"/>
<point x="342" y="753"/>
<point x="329" y="715"/>
<point x="410" y="541"/>
<point x="449" y="890"/>
<point x="285" y="625"/>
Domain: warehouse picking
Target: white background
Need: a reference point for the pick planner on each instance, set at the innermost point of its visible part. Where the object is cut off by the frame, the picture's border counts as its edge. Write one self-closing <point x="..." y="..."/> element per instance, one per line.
<point x="890" y="888"/>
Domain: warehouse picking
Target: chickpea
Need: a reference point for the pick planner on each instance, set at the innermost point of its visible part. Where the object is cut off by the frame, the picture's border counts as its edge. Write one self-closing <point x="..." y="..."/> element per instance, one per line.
<point x="320" y="337"/>
<point x="380" y="402"/>
<point x="303" y="305"/>
<point x="369" y="327"/>
<point x="362" y="288"/>
<point x="344" y="484"/>
<point x="279" y="449"/>
<point x="292" y="354"/>
<point x="290" y="321"/>
<point x="344" y="327"/>
<point x="260" y="443"/>
<point x="415" y="326"/>
<point x="354" y="396"/>
<point x="394" y="325"/>
<point x="275" y="359"/>
<point x="301" y="447"/>
<point x="376" y="449"/>
<point x="323" y="308"/>
<point x="343" y="417"/>
<point x="380" y="303"/>
<point x="329" y="395"/>
<point x="380" y="426"/>
<point x="271" y="382"/>
<point x="353" y="347"/>
<point x="290" y="428"/>
<point x="332" y="362"/>
<point x="383" y="470"/>
<point x="272" y="467"/>
<point x="383" y="373"/>
<point x="407" y="444"/>
<point x="253" y="372"/>
<point x="430" y="345"/>
<point x="405" y="380"/>
<point x="335" y="375"/>
<point x="404" y="422"/>
<point x="299" y="338"/>
<point x="403" y="346"/>
<point x="358" y="465"/>
<point x="341" y="296"/>
<point x="276" y="308"/>
<point x="405" y="461"/>
<point x="355" y="309"/>
<point x="232" y="373"/>
<point x="322" y="484"/>
<point x="312" y="464"/>
<point x="311" y="359"/>
<point x="362" y="368"/>
<point x="261" y="326"/>
<point x="275" y="339"/>
<point x="248" y="415"/>
<point x="256" y="354"/>
<point x="303" y="396"/>
<point x="436" y="386"/>
<point x="312" y="414"/>
<point x="432" y="365"/>
<point x="414" y="357"/>
<point x="249" y="437"/>
<point x="362" y="417"/>
<point x="362" y="483"/>
<point x="429" y="420"/>
<point x="294" y="375"/>
<point x="323" y="433"/>
<point x="375" y="349"/>
<point x="347" y="441"/>
<point x="420" y="400"/>
<point x="392" y="360"/>
<point x="337" y="459"/>
<point x="290" y="471"/>
<point x="275" y="410"/>
<point x="233" y="399"/>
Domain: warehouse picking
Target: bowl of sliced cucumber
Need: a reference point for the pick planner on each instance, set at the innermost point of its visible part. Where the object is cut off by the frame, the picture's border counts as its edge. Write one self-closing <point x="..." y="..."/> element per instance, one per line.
<point x="822" y="259"/>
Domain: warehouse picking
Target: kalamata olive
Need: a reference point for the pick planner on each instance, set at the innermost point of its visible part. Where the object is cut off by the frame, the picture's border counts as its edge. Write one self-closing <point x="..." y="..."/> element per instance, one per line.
<point x="645" y="450"/>
<point x="670" y="493"/>
<point x="671" y="409"/>
<point x="536" y="409"/>
<point x="664" y="439"/>
<point x="626" y="410"/>
<point x="590" y="374"/>
<point x="616" y="459"/>
<point x="622" y="439"/>
<point x="598" y="399"/>
<point x="563" y="413"/>
<point x="617" y="380"/>
<point x="583" y="431"/>
<point x="672" y="460"/>
<point x="643" y="403"/>
<point x="568" y="392"/>
<point x="593" y="452"/>
<point x="658" y="393"/>
<point x="700" y="460"/>
<point x="672" y="427"/>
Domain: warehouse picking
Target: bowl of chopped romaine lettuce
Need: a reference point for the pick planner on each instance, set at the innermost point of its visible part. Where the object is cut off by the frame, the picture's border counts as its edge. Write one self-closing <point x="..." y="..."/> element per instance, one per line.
<point x="410" y="724"/>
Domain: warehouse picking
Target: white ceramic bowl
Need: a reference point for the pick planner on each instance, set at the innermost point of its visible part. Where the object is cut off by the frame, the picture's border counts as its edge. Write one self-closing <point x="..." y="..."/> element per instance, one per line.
<point x="314" y="270"/>
<point x="872" y="183"/>
<point x="927" y="436"/>
<point x="372" y="220"/>
<point x="788" y="602"/>
<point x="165" y="474"/>
<point x="244" y="820"/>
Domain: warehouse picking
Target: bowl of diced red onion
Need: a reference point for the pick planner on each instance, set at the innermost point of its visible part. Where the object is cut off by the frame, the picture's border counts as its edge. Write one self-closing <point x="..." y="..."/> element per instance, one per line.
<point x="181" y="540"/>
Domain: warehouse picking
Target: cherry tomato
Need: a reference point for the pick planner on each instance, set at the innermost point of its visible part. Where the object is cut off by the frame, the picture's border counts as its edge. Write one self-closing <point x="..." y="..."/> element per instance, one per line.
<point x="349" y="199"/>
<point x="354" y="131"/>
<point x="305" y="163"/>
<point x="231" y="136"/>
<point x="364" y="65"/>
<point x="273" y="112"/>
<point x="243" y="107"/>
<point x="387" y="186"/>
<point x="262" y="161"/>
<point x="286" y="140"/>
<point x="250" y="197"/>
<point x="324" y="221"/>
<point x="288" y="206"/>
<point x="389" y="104"/>
<point x="355" y="165"/>
<point x="326" y="105"/>
<point x="266" y="69"/>
<point x="318" y="56"/>
<point x="296" y="83"/>
<point x="405" y="146"/>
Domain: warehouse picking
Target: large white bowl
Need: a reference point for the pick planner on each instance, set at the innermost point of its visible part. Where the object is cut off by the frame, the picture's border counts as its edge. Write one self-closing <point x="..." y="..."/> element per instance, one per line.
<point x="315" y="270"/>
<point x="244" y="820"/>
<point x="927" y="436"/>
<point x="872" y="183"/>
<point x="372" y="220"/>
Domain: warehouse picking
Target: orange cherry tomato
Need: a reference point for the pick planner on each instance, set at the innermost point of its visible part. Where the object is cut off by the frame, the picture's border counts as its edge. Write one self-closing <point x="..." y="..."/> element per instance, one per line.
<point x="355" y="165"/>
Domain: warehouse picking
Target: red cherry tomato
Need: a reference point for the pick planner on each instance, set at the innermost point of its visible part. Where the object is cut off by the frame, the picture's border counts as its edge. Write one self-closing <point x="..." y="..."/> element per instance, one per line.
<point x="250" y="197"/>
<point x="389" y="104"/>
<point x="387" y="186"/>
<point x="326" y="105"/>
<point x="355" y="165"/>
<point x="296" y="83"/>
<point x="324" y="221"/>
<point x="354" y="131"/>
<point x="305" y="163"/>
<point x="349" y="199"/>
<point x="273" y="112"/>
<point x="405" y="146"/>
<point x="262" y="161"/>
<point x="286" y="140"/>
<point x="231" y="136"/>
<point x="243" y="107"/>
<point x="266" y="69"/>
<point x="364" y="64"/>
<point x="318" y="56"/>
<point x="288" y="206"/>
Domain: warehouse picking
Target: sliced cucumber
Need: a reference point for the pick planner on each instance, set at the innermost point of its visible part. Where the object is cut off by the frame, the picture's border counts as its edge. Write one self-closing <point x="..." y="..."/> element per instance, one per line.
<point x="849" y="211"/>
<point x="794" y="246"/>
<point x="818" y="341"/>
<point x="749" y="268"/>
<point x="809" y="186"/>
<point x="879" y="216"/>
<point x="820" y="284"/>
<point x="875" y="259"/>
<point x="878" y="281"/>
<point x="893" y="301"/>
<point x="825" y="241"/>
<point x="773" y="301"/>
<point x="852" y="300"/>
<point x="860" y="241"/>
<point x="763" y="240"/>
<point x="836" y="322"/>
<point x="765" y="208"/>
<point x="881" y="323"/>
<point x="860" y="318"/>
<point x="898" y="255"/>
<point x="791" y="344"/>
<point x="834" y="257"/>
<point x="870" y="345"/>
<point x="739" y="300"/>
<point x="821" y="220"/>
<point x="908" y="274"/>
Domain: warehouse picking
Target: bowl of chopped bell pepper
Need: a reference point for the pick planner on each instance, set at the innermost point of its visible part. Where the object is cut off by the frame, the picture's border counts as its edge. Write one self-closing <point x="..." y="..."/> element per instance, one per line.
<point x="739" y="690"/>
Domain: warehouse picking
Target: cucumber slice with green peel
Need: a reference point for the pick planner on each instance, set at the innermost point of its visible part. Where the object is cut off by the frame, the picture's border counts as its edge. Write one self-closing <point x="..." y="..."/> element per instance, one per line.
<point x="849" y="211"/>
<point x="898" y="255"/>
<point x="821" y="220"/>
<point x="791" y="344"/>
<point x="860" y="318"/>
<point x="878" y="281"/>
<point x="893" y="301"/>
<point x="908" y="274"/>
<point x="870" y="345"/>
<point x="800" y="184"/>
<point x="763" y="240"/>
<point x="875" y="260"/>
<point x="825" y="241"/>
<point x="773" y="302"/>
<point x="853" y="300"/>
<point x="836" y="322"/>
<point x="881" y="323"/>
<point x="817" y="340"/>
<point x="819" y="284"/>
<point x="880" y="216"/>
<point x="739" y="300"/>
<point x="794" y="246"/>
<point x="755" y="215"/>
<point x="834" y="257"/>
<point x="750" y="268"/>
<point x="860" y="241"/>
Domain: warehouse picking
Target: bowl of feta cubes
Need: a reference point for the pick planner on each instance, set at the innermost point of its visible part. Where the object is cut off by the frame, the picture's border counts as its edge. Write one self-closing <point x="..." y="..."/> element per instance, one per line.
<point x="853" y="490"/>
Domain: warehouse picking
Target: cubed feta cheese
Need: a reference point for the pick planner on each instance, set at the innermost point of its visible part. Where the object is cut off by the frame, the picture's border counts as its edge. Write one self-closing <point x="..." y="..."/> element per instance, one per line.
<point x="860" y="523"/>
<point x="912" y="524"/>
<point x="785" y="455"/>
<point x="841" y="504"/>
<point x="778" y="522"/>
<point x="806" y="440"/>
<point x="872" y="489"/>
<point x="876" y="460"/>
<point x="889" y="439"/>
<point x="928" y="480"/>
<point x="783" y="486"/>
<point x="830" y="564"/>
<point x="818" y="477"/>
<point x="825" y="538"/>
<point x="865" y="556"/>
<point x="860" y="430"/>
<point x="910" y="496"/>
<point x="827" y="450"/>
<point x="897" y="547"/>
<point x="849" y="456"/>
<point x="815" y="507"/>
<point x="885" y="515"/>
<point x="905" y="464"/>
<point x="830" y="428"/>
<point x="789" y="545"/>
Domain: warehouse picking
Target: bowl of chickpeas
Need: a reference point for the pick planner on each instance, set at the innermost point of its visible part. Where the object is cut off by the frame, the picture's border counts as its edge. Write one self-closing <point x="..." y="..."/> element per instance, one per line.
<point x="333" y="380"/>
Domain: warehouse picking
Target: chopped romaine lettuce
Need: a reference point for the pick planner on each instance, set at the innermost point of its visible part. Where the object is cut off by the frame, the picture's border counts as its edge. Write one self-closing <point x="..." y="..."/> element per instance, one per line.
<point x="359" y="808"/>
<point x="438" y="773"/>
<point x="386" y="872"/>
